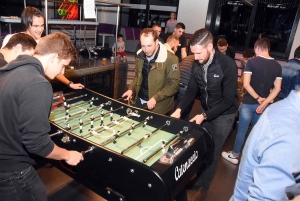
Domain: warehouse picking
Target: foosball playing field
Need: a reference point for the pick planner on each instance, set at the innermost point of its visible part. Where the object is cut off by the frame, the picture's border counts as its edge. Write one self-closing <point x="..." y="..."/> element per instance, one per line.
<point x="102" y="125"/>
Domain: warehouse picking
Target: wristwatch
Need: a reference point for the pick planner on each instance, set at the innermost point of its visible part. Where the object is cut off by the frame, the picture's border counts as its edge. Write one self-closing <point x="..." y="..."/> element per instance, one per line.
<point x="70" y="83"/>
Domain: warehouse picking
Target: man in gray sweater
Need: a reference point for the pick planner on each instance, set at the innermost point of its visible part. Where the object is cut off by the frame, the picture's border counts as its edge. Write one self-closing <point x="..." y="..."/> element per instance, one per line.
<point x="25" y="102"/>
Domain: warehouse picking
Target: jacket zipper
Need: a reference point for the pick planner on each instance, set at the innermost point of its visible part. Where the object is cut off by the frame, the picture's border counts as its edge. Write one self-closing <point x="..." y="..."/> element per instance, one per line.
<point x="206" y="97"/>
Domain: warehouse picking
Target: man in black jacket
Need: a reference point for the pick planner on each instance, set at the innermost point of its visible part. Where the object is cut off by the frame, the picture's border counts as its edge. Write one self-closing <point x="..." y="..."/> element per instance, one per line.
<point x="214" y="78"/>
<point x="25" y="103"/>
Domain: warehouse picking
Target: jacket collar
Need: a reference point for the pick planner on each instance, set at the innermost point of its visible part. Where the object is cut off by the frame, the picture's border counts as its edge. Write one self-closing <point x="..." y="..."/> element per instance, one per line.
<point x="162" y="54"/>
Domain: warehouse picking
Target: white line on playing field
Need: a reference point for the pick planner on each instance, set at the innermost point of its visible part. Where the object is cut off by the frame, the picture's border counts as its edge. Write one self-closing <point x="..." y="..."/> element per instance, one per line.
<point x="149" y="147"/>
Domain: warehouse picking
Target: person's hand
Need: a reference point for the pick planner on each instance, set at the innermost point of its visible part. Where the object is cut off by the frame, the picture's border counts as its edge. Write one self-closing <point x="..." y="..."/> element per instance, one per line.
<point x="198" y="119"/>
<point x="260" y="100"/>
<point x="261" y="107"/>
<point x="127" y="94"/>
<point x="296" y="198"/>
<point x="74" y="158"/>
<point x="76" y="86"/>
<point x="176" y="114"/>
<point x="151" y="103"/>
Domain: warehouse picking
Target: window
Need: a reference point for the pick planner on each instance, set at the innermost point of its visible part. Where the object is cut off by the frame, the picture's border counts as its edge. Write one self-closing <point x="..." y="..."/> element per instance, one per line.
<point x="242" y="22"/>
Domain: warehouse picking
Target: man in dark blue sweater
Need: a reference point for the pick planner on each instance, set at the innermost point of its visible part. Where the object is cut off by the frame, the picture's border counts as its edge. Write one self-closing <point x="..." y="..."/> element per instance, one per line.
<point x="290" y="76"/>
<point x="25" y="102"/>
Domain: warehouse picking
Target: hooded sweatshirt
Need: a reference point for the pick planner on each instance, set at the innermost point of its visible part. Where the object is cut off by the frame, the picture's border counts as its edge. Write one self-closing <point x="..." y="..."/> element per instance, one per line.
<point x="25" y="102"/>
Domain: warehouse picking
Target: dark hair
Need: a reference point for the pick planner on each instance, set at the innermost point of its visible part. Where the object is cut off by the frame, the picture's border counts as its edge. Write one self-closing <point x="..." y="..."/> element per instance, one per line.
<point x="156" y="25"/>
<point x="222" y="42"/>
<point x="149" y="31"/>
<point x="119" y="36"/>
<point x="27" y="15"/>
<point x="180" y="25"/>
<point x="262" y="43"/>
<point x="58" y="43"/>
<point x="248" y="53"/>
<point x="27" y="42"/>
<point x="297" y="53"/>
<point x="201" y="37"/>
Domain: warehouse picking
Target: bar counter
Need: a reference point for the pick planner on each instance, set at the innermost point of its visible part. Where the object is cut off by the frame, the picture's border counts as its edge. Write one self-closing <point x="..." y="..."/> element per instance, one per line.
<point x="109" y="79"/>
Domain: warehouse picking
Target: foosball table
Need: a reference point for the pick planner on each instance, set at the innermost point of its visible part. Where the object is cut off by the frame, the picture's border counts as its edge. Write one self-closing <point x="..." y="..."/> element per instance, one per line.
<point x="129" y="153"/>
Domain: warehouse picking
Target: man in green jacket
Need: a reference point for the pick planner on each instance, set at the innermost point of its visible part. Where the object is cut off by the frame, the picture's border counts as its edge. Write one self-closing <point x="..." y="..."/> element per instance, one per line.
<point x="157" y="76"/>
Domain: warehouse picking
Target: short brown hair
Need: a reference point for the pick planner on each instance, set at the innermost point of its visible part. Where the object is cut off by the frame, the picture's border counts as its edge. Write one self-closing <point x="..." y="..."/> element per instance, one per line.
<point x="27" y="42"/>
<point x="172" y="38"/>
<point x="149" y="31"/>
<point x="201" y="37"/>
<point x="58" y="43"/>
<point x="222" y="42"/>
<point x="180" y="25"/>
<point x="262" y="43"/>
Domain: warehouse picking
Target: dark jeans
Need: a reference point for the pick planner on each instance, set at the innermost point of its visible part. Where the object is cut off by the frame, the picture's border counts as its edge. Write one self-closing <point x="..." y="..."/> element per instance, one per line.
<point x="220" y="129"/>
<point x="23" y="185"/>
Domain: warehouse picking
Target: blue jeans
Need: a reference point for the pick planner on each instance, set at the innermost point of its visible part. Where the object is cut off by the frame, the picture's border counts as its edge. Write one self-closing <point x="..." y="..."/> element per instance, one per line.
<point x="220" y="129"/>
<point x="23" y="185"/>
<point x="247" y="113"/>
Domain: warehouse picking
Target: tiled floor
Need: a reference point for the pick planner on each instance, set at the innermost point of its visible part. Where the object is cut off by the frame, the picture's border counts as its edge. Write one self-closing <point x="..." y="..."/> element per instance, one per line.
<point x="60" y="187"/>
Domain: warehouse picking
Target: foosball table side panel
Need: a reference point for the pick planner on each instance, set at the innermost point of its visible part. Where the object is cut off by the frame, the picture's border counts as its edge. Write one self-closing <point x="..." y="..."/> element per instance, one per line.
<point x="113" y="176"/>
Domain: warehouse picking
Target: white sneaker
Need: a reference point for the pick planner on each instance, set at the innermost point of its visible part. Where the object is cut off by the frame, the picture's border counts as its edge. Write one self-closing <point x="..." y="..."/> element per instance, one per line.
<point x="229" y="156"/>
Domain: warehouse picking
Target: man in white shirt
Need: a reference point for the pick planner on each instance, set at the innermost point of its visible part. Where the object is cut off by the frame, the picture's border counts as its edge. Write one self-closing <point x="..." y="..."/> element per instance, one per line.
<point x="32" y="22"/>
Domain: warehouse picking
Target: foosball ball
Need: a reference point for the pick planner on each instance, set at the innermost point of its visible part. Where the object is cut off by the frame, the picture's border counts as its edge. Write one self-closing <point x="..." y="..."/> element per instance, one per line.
<point x="129" y="153"/>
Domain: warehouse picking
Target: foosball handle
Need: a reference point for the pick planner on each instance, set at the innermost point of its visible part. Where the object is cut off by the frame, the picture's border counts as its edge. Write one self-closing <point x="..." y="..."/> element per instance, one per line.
<point x="90" y="149"/>
<point x="57" y="133"/>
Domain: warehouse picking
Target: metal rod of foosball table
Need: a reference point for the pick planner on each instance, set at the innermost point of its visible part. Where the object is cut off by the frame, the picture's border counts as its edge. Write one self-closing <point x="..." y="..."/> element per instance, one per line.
<point x="76" y="97"/>
<point x="110" y="125"/>
<point x="180" y="135"/>
<point x="73" y="105"/>
<point x="74" y="115"/>
<point x="83" y="112"/>
<point x="118" y="99"/>
<point x="145" y="137"/>
<point x="160" y="149"/>
<point x="113" y="123"/>
<point x="57" y="133"/>
<point x="70" y="93"/>
<point x="97" y="117"/>
<point x="117" y="136"/>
